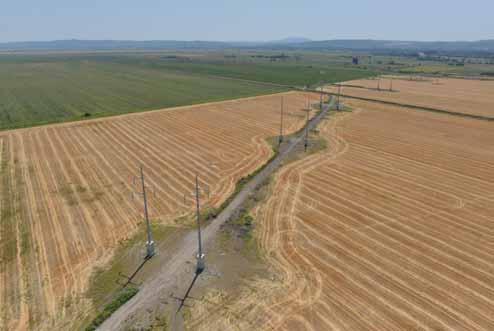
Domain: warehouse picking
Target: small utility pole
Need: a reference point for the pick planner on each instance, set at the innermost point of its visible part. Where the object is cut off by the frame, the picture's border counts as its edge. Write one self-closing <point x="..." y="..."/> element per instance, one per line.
<point x="149" y="243"/>
<point x="306" y="143"/>
<point x="200" y="256"/>
<point x="379" y="84"/>
<point x="281" y="123"/>
<point x="391" y="85"/>
<point x="338" y="100"/>
<point x="198" y="189"/>
<point x="320" y="99"/>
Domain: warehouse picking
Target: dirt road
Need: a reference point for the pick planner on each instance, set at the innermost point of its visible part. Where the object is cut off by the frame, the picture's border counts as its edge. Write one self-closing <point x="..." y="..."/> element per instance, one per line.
<point x="173" y="272"/>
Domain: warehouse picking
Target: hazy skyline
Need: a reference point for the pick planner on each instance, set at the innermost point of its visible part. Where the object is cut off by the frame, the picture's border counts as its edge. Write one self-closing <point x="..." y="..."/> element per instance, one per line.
<point x="255" y="20"/>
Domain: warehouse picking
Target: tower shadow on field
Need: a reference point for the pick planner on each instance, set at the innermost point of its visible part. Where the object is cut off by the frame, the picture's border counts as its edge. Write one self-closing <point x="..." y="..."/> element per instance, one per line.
<point x="186" y="296"/>
<point x="134" y="274"/>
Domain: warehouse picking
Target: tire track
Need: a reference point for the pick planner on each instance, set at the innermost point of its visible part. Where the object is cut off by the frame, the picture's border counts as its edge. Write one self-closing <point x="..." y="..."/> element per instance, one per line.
<point x="394" y="246"/>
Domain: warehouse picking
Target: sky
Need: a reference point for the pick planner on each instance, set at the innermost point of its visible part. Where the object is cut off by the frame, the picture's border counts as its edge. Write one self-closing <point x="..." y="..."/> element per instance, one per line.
<point x="253" y="20"/>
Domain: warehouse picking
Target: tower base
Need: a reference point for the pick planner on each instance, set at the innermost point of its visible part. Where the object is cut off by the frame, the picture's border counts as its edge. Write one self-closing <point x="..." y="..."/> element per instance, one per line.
<point x="150" y="252"/>
<point x="200" y="264"/>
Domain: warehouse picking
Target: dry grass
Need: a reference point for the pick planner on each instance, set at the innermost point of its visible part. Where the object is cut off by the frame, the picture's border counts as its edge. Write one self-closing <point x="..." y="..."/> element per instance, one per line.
<point x="391" y="229"/>
<point x="67" y="192"/>
<point x="457" y="95"/>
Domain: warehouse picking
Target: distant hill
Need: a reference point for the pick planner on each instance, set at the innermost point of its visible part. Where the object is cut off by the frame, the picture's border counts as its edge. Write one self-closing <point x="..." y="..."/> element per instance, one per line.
<point x="292" y="43"/>
<point x="373" y="45"/>
<point x="290" y="40"/>
<point x="75" y="44"/>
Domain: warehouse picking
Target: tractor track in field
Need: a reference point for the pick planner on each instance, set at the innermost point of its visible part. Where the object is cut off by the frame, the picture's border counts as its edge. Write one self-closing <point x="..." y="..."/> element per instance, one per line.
<point x="365" y="235"/>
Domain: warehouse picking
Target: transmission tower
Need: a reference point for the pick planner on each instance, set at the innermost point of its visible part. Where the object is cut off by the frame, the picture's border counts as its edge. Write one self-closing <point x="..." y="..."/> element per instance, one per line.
<point x="321" y="99"/>
<point x="198" y="189"/>
<point x="200" y="255"/>
<point x="338" y="99"/>
<point x="308" y="109"/>
<point x="150" y="251"/>
<point x="281" y="123"/>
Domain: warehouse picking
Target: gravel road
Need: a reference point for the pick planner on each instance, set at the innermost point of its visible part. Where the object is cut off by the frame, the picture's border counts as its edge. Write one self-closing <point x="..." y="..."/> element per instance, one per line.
<point x="172" y="273"/>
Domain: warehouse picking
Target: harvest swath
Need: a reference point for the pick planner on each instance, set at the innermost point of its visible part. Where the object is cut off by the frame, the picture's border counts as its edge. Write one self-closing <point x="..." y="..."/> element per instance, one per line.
<point x="390" y="229"/>
<point x="66" y="190"/>
<point x="456" y="95"/>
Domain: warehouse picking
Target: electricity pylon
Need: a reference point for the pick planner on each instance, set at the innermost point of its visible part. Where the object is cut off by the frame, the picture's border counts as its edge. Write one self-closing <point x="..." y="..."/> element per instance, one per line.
<point x="308" y="109"/>
<point x="281" y="123"/>
<point x="200" y="255"/>
<point x="320" y="99"/>
<point x="197" y="195"/>
<point x="338" y="100"/>
<point x="150" y="251"/>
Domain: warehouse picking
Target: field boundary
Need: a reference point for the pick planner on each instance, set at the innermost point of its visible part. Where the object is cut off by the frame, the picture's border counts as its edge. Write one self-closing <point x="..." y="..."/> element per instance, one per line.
<point x="83" y="121"/>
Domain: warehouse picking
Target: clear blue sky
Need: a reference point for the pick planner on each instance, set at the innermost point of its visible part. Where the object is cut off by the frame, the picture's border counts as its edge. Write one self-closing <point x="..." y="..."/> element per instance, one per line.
<point x="22" y="20"/>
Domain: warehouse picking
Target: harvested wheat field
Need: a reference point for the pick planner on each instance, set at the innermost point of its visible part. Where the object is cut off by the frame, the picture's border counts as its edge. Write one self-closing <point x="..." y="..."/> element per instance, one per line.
<point x="66" y="190"/>
<point x="390" y="229"/>
<point x="474" y="97"/>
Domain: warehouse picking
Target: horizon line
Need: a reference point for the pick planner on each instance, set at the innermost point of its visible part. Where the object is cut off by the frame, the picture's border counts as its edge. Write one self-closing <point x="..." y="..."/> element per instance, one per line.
<point x="305" y="40"/>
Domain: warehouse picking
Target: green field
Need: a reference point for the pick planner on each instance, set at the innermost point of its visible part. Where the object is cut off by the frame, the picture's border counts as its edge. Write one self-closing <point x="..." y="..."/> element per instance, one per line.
<point x="47" y="88"/>
<point x="38" y="92"/>
<point x="291" y="73"/>
<point x="53" y="87"/>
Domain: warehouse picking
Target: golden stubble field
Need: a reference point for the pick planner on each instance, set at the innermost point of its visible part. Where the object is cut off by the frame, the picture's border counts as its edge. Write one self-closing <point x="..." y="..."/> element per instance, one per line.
<point x="391" y="228"/>
<point x="66" y="191"/>
<point x="457" y="95"/>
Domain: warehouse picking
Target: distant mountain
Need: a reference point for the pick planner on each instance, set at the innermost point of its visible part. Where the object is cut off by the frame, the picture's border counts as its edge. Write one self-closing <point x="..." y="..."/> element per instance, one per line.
<point x="293" y="43"/>
<point x="290" y="40"/>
